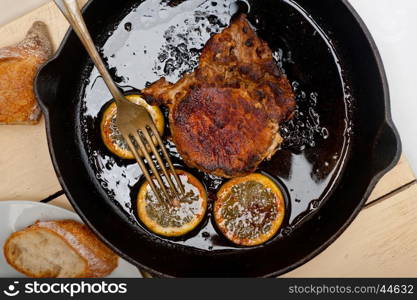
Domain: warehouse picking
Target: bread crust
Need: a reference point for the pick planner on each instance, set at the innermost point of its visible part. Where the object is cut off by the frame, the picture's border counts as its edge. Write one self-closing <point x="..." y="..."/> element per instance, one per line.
<point x="18" y="67"/>
<point x="99" y="260"/>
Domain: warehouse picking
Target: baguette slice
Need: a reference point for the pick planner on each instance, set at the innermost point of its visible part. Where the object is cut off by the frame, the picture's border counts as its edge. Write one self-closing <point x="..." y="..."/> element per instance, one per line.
<point x="59" y="249"/>
<point x="18" y="67"/>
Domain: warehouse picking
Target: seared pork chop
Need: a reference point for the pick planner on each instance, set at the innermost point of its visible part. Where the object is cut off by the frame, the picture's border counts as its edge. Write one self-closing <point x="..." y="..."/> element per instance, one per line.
<point x="225" y="116"/>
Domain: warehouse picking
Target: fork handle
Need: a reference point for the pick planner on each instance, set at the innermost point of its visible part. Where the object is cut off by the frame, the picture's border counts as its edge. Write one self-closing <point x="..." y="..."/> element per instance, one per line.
<point x="71" y="10"/>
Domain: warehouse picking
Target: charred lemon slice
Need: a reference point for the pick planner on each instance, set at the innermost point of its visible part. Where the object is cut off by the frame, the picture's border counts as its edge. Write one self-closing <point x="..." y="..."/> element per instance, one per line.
<point x="112" y="137"/>
<point x="173" y="220"/>
<point x="249" y="210"/>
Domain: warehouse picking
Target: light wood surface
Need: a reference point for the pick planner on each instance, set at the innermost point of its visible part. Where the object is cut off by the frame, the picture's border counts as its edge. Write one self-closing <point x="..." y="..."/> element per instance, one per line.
<point x="12" y="9"/>
<point x="24" y="150"/>
<point x="382" y="241"/>
<point x="399" y="176"/>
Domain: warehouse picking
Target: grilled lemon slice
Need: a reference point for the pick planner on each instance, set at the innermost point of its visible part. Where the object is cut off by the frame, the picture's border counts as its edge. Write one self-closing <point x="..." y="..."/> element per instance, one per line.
<point x="249" y="210"/>
<point x="112" y="137"/>
<point x="173" y="220"/>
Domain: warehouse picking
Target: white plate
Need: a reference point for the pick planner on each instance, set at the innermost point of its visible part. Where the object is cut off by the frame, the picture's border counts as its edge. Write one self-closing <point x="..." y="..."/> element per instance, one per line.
<point x="16" y="215"/>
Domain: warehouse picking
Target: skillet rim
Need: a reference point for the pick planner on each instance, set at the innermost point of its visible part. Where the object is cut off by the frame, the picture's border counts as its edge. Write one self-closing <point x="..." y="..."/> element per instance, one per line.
<point x="388" y="122"/>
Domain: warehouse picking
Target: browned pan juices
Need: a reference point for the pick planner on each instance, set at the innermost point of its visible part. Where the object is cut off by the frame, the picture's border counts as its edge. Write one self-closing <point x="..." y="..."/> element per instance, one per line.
<point x="164" y="39"/>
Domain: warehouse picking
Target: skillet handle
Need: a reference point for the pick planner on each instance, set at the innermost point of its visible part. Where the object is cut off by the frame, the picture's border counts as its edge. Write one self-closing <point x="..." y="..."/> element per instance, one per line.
<point x="46" y="86"/>
<point x="386" y="149"/>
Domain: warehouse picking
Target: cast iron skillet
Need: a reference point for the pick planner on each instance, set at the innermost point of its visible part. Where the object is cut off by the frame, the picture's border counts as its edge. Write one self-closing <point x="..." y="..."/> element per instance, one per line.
<point x="353" y="104"/>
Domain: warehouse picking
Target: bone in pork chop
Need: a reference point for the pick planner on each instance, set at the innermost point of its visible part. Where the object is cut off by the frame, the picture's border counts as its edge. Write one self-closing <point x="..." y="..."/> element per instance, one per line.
<point x="225" y="116"/>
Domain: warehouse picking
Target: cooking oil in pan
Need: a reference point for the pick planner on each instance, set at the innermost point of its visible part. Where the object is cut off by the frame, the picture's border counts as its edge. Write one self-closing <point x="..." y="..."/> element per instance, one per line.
<point x="164" y="38"/>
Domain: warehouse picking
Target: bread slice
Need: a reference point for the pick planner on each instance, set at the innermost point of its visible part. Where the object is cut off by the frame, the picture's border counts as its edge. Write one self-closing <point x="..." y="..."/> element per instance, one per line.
<point x="59" y="249"/>
<point x="18" y="67"/>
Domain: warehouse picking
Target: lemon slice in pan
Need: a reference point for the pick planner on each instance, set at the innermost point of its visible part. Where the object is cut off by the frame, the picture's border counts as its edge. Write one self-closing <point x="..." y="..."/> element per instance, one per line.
<point x="249" y="210"/>
<point x="110" y="134"/>
<point x="173" y="220"/>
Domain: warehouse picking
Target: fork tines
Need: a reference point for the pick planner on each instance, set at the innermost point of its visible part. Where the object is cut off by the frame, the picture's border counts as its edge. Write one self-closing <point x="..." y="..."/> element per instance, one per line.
<point x="143" y="138"/>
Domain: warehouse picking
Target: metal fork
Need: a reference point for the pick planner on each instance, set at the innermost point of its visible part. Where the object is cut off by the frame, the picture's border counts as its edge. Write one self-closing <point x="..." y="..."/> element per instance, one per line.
<point x="133" y="121"/>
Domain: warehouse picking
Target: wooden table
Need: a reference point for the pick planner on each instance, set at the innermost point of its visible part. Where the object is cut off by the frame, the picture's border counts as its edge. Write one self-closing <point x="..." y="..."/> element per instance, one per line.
<point x="381" y="242"/>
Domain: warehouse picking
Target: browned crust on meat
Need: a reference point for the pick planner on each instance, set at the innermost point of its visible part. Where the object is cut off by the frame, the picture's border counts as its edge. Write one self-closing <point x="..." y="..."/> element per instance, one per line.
<point x="226" y="133"/>
<point x="225" y="116"/>
<point x="238" y="58"/>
